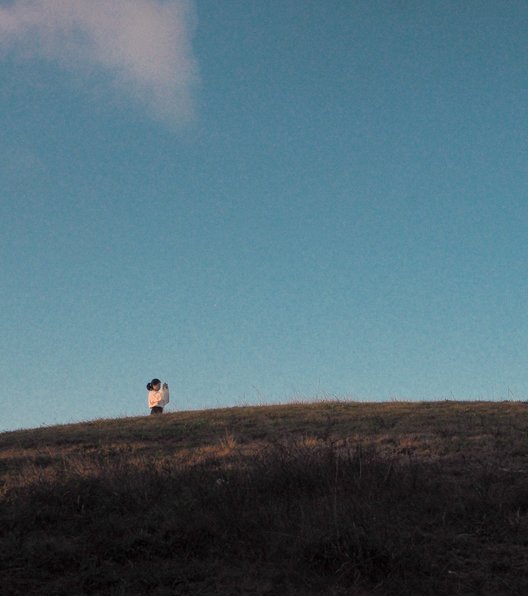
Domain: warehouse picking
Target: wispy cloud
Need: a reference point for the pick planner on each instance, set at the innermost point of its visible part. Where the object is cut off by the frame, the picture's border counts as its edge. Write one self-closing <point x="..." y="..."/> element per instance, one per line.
<point x="143" y="45"/>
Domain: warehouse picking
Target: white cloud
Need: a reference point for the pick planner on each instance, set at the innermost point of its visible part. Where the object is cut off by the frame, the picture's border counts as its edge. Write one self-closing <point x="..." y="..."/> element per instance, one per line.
<point x="143" y="45"/>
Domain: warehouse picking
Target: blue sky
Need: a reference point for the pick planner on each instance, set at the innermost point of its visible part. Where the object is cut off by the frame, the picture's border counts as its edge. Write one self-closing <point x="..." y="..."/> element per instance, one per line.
<point x="260" y="201"/>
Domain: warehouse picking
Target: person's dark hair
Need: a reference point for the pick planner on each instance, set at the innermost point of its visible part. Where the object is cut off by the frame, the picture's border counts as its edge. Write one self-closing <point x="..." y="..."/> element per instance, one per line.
<point x="152" y="383"/>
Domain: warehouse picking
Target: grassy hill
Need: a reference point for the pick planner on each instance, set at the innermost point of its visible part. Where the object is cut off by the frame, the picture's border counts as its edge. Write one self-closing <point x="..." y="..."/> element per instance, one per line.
<point x="318" y="498"/>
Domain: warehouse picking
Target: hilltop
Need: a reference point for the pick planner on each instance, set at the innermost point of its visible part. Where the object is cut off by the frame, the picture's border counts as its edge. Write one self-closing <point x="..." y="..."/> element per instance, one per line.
<point x="315" y="498"/>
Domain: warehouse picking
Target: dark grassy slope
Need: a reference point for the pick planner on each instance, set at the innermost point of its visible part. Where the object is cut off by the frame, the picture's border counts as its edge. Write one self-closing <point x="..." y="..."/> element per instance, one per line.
<point x="324" y="498"/>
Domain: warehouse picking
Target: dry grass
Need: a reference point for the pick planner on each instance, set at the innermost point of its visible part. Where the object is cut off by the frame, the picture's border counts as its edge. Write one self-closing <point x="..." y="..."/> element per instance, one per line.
<point x="316" y="498"/>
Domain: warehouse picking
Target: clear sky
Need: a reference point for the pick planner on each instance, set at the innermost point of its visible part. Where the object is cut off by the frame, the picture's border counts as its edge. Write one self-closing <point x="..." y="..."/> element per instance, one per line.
<point x="257" y="201"/>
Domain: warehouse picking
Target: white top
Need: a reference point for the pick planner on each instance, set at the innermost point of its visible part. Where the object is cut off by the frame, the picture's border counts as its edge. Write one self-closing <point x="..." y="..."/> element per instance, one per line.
<point x="158" y="398"/>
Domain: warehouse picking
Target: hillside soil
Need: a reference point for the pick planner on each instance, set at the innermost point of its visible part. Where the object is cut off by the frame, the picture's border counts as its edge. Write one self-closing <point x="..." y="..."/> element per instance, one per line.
<point x="306" y="498"/>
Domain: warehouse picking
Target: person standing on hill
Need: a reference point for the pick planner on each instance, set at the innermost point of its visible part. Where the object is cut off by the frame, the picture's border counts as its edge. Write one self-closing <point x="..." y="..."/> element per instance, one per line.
<point x="158" y="396"/>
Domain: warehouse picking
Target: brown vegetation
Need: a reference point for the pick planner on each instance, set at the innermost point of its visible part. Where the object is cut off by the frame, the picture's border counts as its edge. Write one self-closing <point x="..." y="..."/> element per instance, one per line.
<point x="318" y="498"/>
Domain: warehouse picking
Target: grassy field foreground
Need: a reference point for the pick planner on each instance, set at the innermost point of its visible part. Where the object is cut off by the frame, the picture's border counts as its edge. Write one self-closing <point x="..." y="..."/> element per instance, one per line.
<point x="319" y="498"/>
